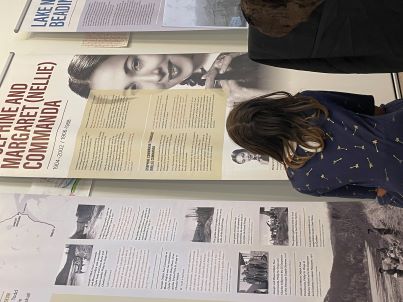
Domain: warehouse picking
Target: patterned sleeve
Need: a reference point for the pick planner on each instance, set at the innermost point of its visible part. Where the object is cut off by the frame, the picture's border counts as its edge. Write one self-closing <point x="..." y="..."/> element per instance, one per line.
<point x="350" y="191"/>
<point x="391" y="198"/>
<point x="358" y="103"/>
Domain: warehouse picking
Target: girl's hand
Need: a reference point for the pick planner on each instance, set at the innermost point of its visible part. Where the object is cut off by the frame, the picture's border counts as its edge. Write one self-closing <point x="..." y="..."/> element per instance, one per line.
<point x="380" y="192"/>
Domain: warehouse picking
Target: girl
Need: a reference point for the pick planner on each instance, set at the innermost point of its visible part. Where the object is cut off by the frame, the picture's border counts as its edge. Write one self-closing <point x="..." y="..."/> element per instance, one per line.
<point x="332" y="144"/>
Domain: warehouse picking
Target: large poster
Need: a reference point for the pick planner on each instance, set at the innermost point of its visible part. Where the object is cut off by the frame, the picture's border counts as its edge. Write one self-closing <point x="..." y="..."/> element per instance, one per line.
<point x="129" y="15"/>
<point x="59" y="249"/>
<point x="148" y="116"/>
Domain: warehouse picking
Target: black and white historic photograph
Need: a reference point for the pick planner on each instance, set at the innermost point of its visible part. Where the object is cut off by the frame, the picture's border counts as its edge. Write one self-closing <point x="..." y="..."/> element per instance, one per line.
<point x="205" y="13"/>
<point x="274" y="226"/>
<point x="253" y="272"/>
<point x="240" y="77"/>
<point x="89" y="221"/>
<point x="198" y="224"/>
<point x="367" y="239"/>
<point x="241" y="156"/>
<point x="74" y="265"/>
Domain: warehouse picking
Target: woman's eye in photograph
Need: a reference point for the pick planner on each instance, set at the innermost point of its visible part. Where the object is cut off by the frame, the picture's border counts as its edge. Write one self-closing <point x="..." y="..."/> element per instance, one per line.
<point x="136" y="63"/>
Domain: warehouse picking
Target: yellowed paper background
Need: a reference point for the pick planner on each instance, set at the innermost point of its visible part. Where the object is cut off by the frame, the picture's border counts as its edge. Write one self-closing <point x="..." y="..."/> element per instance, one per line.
<point x="152" y="134"/>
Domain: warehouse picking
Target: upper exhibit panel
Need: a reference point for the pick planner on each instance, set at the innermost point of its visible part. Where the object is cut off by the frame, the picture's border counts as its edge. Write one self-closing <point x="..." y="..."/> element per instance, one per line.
<point x="129" y="15"/>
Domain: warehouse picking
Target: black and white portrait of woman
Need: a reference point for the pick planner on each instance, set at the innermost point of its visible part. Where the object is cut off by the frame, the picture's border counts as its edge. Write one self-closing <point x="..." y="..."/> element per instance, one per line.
<point x="240" y="77"/>
<point x="241" y="156"/>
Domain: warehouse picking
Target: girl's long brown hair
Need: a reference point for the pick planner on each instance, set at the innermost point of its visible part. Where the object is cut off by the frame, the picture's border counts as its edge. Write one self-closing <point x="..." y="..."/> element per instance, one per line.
<point x="269" y="124"/>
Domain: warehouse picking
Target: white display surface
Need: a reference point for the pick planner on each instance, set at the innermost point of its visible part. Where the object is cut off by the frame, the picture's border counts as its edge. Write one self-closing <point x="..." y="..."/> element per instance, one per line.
<point x="379" y="85"/>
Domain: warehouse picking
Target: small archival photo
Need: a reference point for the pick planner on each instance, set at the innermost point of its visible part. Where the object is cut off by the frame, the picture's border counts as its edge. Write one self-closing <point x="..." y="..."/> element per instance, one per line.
<point x="195" y="13"/>
<point x="273" y="223"/>
<point x="74" y="266"/>
<point x="198" y="224"/>
<point x="253" y="272"/>
<point x="89" y="221"/>
<point x="242" y="156"/>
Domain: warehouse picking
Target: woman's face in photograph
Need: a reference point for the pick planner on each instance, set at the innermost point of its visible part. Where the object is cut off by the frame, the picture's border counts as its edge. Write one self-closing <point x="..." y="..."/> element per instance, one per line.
<point x="141" y="72"/>
<point x="243" y="157"/>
